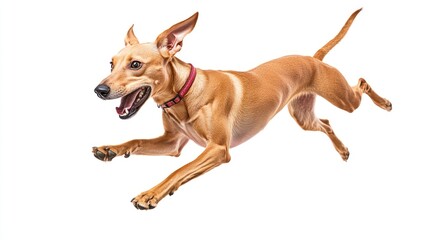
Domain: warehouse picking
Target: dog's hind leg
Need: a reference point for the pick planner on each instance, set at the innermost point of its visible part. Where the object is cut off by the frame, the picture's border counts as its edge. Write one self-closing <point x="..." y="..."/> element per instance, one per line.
<point x="302" y="110"/>
<point x="363" y="87"/>
<point x="332" y="86"/>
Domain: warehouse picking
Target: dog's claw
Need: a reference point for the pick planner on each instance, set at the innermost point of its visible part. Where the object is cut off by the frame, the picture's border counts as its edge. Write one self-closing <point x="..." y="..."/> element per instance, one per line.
<point x="110" y="154"/>
<point x="99" y="155"/>
<point x="140" y="207"/>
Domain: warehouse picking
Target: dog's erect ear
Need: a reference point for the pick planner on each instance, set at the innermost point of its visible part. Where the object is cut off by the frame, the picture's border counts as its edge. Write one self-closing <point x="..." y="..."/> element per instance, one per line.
<point x="131" y="39"/>
<point x="170" y="41"/>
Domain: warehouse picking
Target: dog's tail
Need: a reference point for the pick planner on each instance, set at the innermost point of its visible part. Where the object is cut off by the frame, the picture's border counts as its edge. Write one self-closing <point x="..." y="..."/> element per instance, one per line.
<point x="321" y="53"/>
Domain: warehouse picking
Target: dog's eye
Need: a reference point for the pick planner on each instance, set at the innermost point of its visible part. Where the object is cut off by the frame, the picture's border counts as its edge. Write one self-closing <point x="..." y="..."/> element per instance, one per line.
<point x="135" y="65"/>
<point x="111" y="66"/>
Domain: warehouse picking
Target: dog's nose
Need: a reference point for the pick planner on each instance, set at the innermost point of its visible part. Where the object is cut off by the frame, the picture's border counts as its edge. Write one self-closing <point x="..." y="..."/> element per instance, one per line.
<point x="102" y="91"/>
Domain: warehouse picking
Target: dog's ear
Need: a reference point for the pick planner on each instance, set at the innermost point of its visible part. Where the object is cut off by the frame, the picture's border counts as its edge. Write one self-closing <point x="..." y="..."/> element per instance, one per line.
<point x="170" y="41"/>
<point x="131" y="39"/>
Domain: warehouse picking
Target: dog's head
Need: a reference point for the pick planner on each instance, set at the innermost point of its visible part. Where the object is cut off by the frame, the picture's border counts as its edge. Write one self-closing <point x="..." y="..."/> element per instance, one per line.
<point x="139" y="69"/>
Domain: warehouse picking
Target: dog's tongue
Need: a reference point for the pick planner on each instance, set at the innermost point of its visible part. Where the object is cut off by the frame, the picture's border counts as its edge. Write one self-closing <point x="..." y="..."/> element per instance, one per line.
<point x="127" y="102"/>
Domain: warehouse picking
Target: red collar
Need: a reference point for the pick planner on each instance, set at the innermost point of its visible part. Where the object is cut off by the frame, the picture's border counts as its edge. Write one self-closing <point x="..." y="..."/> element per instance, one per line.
<point x="182" y="91"/>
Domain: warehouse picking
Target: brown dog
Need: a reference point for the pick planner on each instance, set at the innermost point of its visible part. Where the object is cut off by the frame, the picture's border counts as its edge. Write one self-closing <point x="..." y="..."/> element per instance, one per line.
<point x="218" y="109"/>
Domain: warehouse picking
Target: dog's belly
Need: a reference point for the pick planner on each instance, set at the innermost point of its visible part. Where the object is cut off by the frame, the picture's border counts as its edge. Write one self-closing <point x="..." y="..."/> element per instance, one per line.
<point x="245" y="130"/>
<point x="254" y="120"/>
<point x="241" y="138"/>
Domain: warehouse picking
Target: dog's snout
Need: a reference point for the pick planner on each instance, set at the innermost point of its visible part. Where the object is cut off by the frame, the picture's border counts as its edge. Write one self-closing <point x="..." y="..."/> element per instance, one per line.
<point x="102" y="91"/>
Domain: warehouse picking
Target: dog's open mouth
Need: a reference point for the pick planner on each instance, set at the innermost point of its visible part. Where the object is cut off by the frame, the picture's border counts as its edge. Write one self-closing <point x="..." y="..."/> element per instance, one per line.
<point x="131" y="103"/>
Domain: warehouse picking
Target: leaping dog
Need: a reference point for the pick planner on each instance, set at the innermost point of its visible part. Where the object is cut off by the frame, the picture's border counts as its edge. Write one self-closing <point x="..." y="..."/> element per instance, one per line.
<point x="218" y="109"/>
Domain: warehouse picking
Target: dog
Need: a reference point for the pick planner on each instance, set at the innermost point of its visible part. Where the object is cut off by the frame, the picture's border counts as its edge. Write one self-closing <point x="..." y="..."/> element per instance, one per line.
<point x="218" y="109"/>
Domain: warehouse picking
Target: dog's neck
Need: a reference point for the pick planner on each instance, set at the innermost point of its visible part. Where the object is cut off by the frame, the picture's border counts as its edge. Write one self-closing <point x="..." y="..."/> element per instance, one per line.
<point x="176" y="75"/>
<point x="183" y="91"/>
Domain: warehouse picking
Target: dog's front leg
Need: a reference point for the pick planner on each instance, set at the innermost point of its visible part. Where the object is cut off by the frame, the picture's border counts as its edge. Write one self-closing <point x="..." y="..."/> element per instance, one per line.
<point x="213" y="156"/>
<point x="169" y="144"/>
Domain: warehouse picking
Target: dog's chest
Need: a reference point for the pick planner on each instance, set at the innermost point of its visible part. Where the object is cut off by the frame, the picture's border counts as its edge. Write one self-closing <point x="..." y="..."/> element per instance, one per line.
<point x="187" y="127"/>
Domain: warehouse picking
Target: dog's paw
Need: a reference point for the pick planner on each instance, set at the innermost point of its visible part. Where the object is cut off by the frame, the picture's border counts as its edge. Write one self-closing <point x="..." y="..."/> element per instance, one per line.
<point x="146" y="200"/>
<point x="345" y="154"/>
<point x="104" y="153"/>
<point x="387" y="105"/>
<point x="107" y="153"/>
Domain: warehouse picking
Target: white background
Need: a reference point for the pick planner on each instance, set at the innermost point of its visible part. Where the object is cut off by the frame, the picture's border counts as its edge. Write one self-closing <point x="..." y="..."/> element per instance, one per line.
<point x="283" y="184"/>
